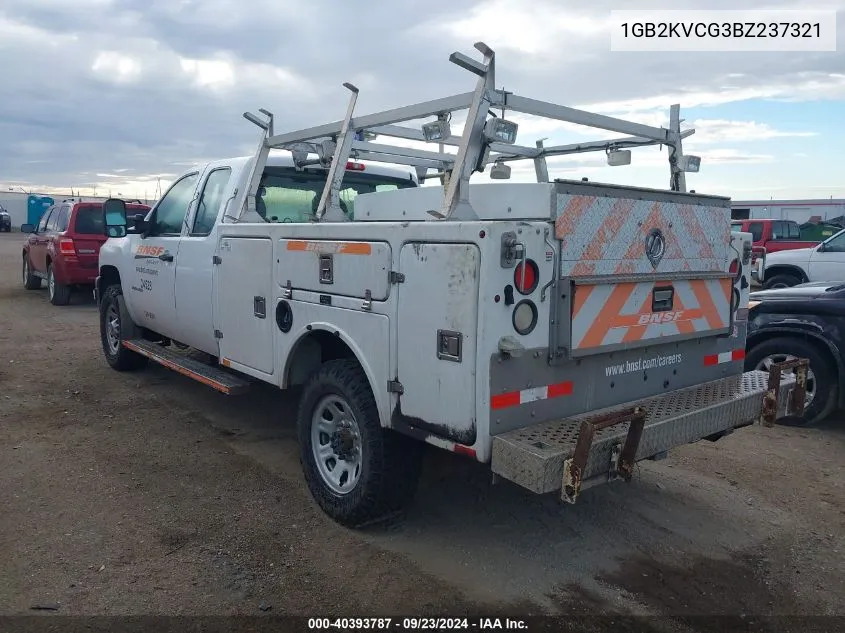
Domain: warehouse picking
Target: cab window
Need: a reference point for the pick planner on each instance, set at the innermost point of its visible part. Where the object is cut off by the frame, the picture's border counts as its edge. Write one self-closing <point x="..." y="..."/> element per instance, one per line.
<point x="173" y="207"/>
<point x="756" y="230"/>
<point x="210" y="201"/>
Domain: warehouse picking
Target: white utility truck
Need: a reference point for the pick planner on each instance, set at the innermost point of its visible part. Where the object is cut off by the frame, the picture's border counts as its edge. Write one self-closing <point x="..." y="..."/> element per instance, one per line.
<point x="559" y="331"/>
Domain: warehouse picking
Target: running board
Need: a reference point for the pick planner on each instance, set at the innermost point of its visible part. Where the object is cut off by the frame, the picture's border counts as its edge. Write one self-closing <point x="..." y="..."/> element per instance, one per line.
<point x="208" y="375"/>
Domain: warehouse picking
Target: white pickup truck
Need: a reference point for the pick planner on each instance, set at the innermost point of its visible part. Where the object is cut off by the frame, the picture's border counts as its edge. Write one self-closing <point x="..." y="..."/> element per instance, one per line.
<point x="559" y="331"/>
<point x="825" y="262"/>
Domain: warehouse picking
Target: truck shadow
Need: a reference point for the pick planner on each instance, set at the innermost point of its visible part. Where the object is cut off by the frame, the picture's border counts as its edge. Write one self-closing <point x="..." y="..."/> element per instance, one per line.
<point x="500" y="542"/>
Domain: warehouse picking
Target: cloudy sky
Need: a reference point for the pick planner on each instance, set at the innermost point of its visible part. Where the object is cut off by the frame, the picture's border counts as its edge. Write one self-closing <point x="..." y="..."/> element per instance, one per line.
<point x="115" y="94"/>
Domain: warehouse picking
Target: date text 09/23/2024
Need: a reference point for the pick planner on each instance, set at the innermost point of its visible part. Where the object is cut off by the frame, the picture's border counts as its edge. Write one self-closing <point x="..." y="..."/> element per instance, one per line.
<point x="415" y="624"/>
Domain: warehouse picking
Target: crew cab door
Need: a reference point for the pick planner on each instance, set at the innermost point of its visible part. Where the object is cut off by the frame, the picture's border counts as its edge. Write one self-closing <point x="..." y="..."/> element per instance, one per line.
<point x="194" y="268"/>
<point x="827" y="263"/>
<point x="153" y="277"/>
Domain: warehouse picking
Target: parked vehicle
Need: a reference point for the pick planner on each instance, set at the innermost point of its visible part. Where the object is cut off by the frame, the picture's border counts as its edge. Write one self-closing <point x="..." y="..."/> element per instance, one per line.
<point x="824" y="262"/>
<point x="773" y="235"/>
<point x="804" y="321"/>
<point x="770" y="236"/>
<point x="5" y="220"/>
<point x="64" y="247"/>
<point x="559" y="331"/>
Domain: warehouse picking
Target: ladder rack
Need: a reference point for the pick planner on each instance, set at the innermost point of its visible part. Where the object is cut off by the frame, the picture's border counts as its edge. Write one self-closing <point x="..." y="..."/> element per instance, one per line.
<point x="335" y="143"/>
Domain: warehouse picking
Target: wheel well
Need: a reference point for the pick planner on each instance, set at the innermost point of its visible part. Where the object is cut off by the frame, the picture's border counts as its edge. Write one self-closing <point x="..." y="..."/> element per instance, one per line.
<point x="783" y="269"/>
<point x="817" y="343"/>
<point x="311" y="351"/>
<point x="109" y="276"/>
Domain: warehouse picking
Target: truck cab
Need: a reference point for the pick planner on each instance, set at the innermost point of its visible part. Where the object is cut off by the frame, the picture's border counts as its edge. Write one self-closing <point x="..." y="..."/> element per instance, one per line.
<point x="165" y="263"/>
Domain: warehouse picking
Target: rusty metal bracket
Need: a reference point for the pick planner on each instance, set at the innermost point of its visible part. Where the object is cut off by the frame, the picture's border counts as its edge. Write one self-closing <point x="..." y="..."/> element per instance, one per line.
<point x="574" y="467"/>
<point x="795" y="406"/>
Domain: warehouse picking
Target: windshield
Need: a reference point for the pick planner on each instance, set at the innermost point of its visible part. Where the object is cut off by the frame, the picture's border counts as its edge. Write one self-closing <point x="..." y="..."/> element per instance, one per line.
<point x="286" y="195"/>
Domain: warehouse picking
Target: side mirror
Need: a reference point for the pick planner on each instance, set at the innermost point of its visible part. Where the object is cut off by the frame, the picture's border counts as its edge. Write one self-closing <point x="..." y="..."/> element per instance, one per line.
<point x="114" y="214"/>
<point x="27" y="228"/>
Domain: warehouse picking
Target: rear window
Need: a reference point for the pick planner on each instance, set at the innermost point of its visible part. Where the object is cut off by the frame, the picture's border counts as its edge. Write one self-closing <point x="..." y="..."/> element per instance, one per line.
<point x="89" y="220"/>
<point x="286" y="195"/>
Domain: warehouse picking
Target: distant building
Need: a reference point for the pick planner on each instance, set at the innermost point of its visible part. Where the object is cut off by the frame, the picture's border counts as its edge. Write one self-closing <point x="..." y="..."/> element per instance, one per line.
<point x="801" y="211"/>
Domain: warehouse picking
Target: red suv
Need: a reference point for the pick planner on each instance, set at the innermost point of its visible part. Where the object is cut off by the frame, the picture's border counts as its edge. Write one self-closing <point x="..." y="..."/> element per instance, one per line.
<point x="65" y="246"/>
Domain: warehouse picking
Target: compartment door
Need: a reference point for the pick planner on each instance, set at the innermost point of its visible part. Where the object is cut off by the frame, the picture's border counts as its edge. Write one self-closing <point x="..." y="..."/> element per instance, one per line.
<point x="245" y="302"/>
<point x="437" y="328"/>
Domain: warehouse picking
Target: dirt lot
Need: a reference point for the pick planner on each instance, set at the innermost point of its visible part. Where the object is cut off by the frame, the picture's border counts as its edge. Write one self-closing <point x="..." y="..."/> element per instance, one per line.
<point x="151" y="494"/>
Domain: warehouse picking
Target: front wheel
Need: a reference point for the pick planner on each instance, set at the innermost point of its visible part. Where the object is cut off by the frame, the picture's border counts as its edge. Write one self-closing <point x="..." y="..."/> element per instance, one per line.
<point x="117" y="326"/>
<point x="822" y="379"/>
<point x="357" y="471"/>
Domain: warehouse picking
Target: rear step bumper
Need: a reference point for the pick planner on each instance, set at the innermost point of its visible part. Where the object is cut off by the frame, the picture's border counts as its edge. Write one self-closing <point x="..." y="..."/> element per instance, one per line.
<point x="547" y="457"/>
<point x="214" y="377"/>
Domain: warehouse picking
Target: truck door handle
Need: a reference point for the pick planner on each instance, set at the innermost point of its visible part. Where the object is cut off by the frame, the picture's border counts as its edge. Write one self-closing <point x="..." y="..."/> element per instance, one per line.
<point x="166" y="257"/>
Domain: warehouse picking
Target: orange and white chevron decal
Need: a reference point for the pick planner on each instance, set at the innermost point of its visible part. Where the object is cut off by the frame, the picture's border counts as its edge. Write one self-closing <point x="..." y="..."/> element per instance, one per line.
<point x="602" y="235"/>
<point x="606" y="314"/>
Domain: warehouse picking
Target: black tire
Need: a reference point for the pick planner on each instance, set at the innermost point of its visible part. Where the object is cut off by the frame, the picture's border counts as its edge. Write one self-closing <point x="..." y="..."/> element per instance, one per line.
<point x="118" y="356"/>
<point x="59" y="293"/>
<point x="783" y="280"/>
<point x="824" y="374"/>
<point x="389" y="462"/>
<point x="30" y="281"/>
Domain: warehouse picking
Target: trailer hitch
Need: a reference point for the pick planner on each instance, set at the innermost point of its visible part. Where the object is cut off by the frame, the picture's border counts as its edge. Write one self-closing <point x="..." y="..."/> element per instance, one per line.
<point x="622" y="460"/>
<point x="795" y="406"/>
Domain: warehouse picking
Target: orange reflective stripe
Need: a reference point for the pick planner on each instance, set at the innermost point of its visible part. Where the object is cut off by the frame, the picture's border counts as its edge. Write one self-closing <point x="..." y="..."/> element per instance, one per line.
<point x="604" y="320"/>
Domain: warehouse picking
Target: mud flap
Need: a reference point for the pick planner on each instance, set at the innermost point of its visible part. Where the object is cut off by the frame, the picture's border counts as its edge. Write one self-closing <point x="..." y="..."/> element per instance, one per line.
<point x="622" y="456"/>
<point x="795" y="404"/>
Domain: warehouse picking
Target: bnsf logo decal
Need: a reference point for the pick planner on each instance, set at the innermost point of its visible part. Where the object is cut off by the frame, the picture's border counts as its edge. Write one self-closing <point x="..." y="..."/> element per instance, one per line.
<point x="149" y="251"/>
<point x="660" y="317"/>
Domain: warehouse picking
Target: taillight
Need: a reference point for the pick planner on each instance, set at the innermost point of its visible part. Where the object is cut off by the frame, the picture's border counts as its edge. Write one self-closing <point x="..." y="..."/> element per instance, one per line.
<point x="66" y="247"/>
<point x="735" y="269"/>
<point x="526" y="276"/>
<point x="351" y="166"/>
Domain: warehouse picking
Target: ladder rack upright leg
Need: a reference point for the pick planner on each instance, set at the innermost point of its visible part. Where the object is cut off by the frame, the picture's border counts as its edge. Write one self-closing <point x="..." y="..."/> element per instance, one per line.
<point x="678" y="177"/>
<point x="329" y="207"/>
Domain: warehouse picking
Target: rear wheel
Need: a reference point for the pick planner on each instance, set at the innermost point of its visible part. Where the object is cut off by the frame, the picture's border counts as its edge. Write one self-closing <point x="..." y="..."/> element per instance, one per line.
<point x="357" y="471"/>
<point x="117" y="326"/>
<point x="30" y="281"/>
<point x="784" y="280"/>
<point x="59" y="293"/>
<point x="822" y="377"/>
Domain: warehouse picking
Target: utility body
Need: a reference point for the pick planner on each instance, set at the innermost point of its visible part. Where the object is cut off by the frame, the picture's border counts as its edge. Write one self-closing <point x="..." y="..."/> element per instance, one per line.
<point x="559" y="330"/>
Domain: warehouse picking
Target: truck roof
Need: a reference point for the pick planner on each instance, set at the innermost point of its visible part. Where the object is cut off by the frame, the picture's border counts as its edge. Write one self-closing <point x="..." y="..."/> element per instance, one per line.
<point x="284" y="159"/>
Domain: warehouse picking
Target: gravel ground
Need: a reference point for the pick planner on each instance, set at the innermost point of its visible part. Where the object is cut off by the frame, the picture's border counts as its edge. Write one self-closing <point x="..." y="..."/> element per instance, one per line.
<point x="151" y="494"/>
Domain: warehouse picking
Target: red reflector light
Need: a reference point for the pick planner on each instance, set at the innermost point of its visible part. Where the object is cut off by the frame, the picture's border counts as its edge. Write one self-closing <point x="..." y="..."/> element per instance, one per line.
<point x="734" y="267"/>
<point x="66" y="246"/>
<point x="460" y="449"/>
<point x="526" y="276"/>
<point x="355" y="166"/>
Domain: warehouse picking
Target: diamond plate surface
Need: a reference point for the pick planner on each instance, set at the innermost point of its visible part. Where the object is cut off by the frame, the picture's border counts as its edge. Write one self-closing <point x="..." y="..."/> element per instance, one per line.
<point x="533" y="456"/>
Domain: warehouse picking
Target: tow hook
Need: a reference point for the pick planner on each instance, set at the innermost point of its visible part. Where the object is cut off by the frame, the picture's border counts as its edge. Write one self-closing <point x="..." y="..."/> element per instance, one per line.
<point x="795" y="404"/>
